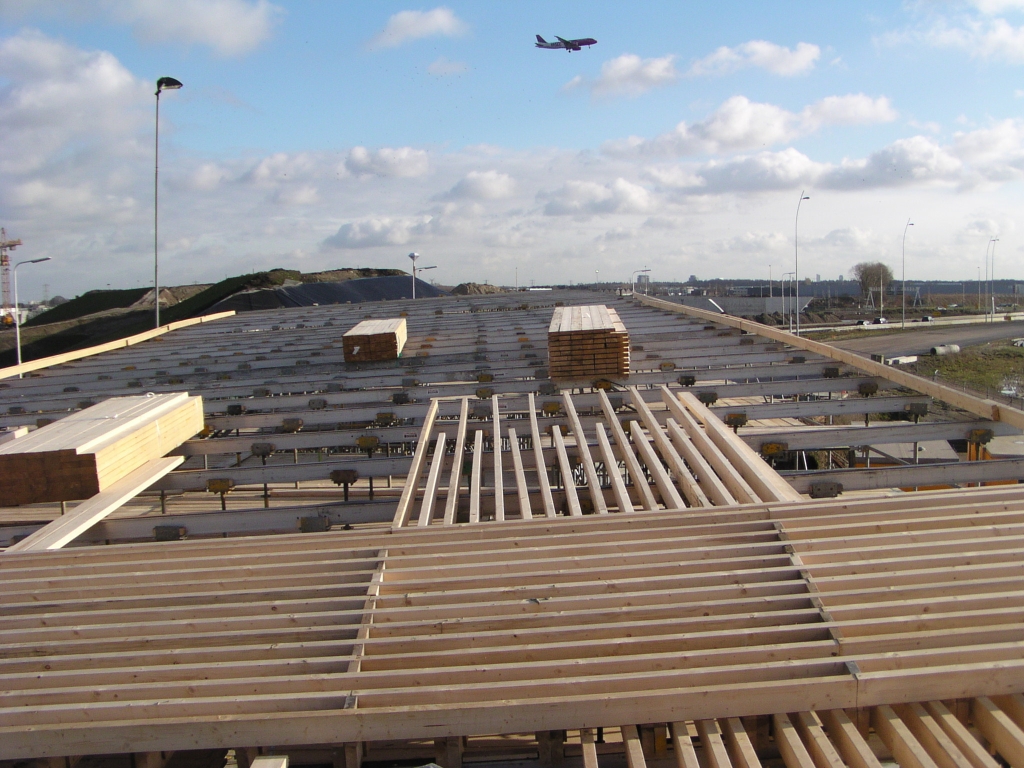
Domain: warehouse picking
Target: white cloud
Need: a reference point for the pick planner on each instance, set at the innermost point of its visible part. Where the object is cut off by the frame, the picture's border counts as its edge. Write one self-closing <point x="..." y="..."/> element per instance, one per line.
<point x="375" y="232"/>
<point x="483" y="185"/>
<point x="443" y="67"/>
<point x="917" y="160"/>
<point x="586" y="198"/>
<point x="302" y="194"/>
<point x="985" y="39"/>
<point x="387" y="161"/>
<point x="282" y="167"/>
<point x="413" y="25"/>
<point x="629" y="75"/>
<point x="777" y="59"/>
<point x="229" y="27"/>
<point x="998" y="6"/>
<point x="740" y="124"/>
<point x="764" y="171"/>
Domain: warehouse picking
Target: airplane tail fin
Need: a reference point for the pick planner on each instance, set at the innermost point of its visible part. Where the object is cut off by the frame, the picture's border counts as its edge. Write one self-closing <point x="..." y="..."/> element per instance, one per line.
<point x="541" y="40"/>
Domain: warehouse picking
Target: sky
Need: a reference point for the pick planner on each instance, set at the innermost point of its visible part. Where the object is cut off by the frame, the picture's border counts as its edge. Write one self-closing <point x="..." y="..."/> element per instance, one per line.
<point x="317" y="135"/>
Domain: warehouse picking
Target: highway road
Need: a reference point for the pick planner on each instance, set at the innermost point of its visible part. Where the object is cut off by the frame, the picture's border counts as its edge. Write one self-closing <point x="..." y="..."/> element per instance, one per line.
<point x="920" y="339"/>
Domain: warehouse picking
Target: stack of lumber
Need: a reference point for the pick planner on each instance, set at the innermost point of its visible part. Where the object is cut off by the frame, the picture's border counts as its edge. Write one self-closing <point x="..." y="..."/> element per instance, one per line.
<point x="375" y="340"/>
<point x="587" y="341"/>
<point x="89" y="451"/>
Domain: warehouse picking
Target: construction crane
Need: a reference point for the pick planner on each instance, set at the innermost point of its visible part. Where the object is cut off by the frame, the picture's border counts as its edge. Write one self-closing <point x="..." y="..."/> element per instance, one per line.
<point x="7" y="314"/>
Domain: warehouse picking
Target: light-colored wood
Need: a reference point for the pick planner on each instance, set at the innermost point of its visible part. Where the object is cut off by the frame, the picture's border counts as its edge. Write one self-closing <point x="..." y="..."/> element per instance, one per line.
<point x="996" y="726"/>
<point x="790" y="746"/>
<point x="822" y="751"/>
<point x="960" y="736"/>
<point x="91" y="450"/>
<point x="682" y="746"/>
<point x="711" y="739"/>
<point x="433" y="479"/>
<point x="588" y="742"/>
<point x="525" y="510"/>
<point x="78" y="354"/>
<point x="375" y="340"/>
<point x="568" y="482"/>
<point x="741" y="751"/>
<point x="499" y="482"/>
<point x="932" y="737"/>
<point x="612" y="467"/>
<point x="587" y="341"/>
<point x="634" y="752"/>
<point x="412" y="480"/>
<point x="695" y="497"/>
<point x="538" y="453"/>
<point x="647" y="500"/>
<point x="82" y="517"/>
<point x="901" y="742"/>
<point x="455" y="481"/>
<point x="669" y="495"/>
<point x="270" y="761"/>
<point x="590" y="471"/>
<point x="848" y="740"/>
<point x="710" y="483"/>
<point x="475" y="474"/>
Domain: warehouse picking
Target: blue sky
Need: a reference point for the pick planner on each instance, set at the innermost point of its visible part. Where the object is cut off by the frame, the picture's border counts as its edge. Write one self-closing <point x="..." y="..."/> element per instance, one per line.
<point x="315" y="135"/>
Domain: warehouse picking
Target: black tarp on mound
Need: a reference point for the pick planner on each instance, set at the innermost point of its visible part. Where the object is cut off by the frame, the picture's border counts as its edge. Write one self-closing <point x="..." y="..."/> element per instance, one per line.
<point x="310" y="294"/>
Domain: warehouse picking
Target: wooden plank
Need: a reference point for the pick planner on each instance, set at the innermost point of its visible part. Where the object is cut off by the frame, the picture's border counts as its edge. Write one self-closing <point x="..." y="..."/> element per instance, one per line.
<point x="612" y="468"/>
<point x="792" y="749"/>
<point x="542" y="474"/>
<point x="451" y="506"/>
<point x="636" y="474"/>
<point x="590" y="471"/>
<point x="711" y="739"/>
<point x="905" y="748"/>
<point x="475" y="476"/>
<point x="713" y="487"/>
<point x="525" y="511"/>
<point x="78" y="354"/>
<point x="568" y="482"/>
<point x="695" y="497"/>
<point x="65" y="529"/>
<point x="682" y="746"/>
<point x="851" y="744"/>
<point x="996" y="726"/>
<point x="929" y="733"/>
<point x="669" y="495"/>
<point x="821" y="750"/>
<point x="499" y="481"/>
<point x="958" y="733"/>
<point x="729" y="474"/>
<point x="412" y="479"/>
<point x="433" y="479"/>
<point x="588" y="742"/>
<point x="634" y="752"/>
<point x="741" y="751"/>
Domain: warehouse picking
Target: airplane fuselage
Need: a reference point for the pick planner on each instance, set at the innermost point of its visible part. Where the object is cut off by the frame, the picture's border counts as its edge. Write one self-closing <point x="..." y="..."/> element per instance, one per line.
<point x="568" y="45"/>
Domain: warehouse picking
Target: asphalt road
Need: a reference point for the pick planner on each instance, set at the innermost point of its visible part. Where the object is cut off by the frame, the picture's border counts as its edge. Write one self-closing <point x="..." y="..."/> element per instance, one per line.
<point x="919" y="341"/>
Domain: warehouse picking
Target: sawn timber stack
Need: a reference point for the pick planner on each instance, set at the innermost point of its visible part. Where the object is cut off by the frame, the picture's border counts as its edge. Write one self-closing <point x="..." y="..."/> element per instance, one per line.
<point x="587" y="341"/>
<point x="87" y="452"/>
<point x="373" y="340"/>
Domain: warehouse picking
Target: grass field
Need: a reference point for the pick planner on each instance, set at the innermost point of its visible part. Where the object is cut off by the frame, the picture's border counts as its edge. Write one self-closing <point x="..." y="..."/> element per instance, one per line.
<point x="987" y="368"/>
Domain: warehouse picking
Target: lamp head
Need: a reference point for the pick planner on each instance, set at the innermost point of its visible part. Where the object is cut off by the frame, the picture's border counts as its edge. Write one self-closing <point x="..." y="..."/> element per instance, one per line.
<point x="167" y="84"/>
<point x="414" y="256"/>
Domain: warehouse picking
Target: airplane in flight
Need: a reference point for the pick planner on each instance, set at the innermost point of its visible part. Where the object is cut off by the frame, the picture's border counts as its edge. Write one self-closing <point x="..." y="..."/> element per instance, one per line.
<point x="568" y="45"/>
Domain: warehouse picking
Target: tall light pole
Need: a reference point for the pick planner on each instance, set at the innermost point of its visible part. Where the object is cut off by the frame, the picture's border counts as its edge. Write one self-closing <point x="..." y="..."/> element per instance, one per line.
<point x="992" y="279"/>
<point x="17" y="312"/>
<point x="632" y="279"/>
<point x="796" y="254"/>
<point x="415" y="269"/>
<point x="787" y="306"/>
<point x="163" y="84"/>
<point x="903" y="323"/>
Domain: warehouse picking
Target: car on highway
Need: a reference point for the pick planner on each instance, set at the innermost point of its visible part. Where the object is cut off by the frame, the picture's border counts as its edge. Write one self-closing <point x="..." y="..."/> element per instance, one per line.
<point x="881" y="321"/>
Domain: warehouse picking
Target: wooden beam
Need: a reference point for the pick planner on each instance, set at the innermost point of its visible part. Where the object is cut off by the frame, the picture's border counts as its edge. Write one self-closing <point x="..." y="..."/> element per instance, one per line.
<point x="639" y="481"/>
<point x="451" y="507"/>
<point x="499" y="480"/>
<point x="412" y="479"/>
<point x="82" y="517"/>
<point x="525" y="510"/>
<point x="542" y="472"/>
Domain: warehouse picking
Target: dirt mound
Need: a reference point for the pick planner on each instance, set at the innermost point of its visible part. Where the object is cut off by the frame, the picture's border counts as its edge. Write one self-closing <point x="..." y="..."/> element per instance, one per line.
<point x="475" y="289"/>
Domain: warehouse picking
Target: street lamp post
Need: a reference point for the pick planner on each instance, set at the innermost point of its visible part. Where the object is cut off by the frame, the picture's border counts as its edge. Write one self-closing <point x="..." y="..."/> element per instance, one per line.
<point x="796" y="254"/>
<point x="992" y="279"/>
<point x="415" y="269"/>
<point x="632" y="279"/>
<point x="787" y="305"/>
<point x="163" y="84"/>
<point x="903" y="323"/>
<point x="17" y="312"/>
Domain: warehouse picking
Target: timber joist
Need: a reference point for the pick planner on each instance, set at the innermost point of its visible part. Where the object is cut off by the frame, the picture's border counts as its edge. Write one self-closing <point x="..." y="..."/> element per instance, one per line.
<point x="681" y="617"/>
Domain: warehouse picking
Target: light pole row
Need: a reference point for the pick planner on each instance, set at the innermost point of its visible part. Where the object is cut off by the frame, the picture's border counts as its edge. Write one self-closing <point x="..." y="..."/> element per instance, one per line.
<point x="17" y="312"/>
<point x="163" y="84"/>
